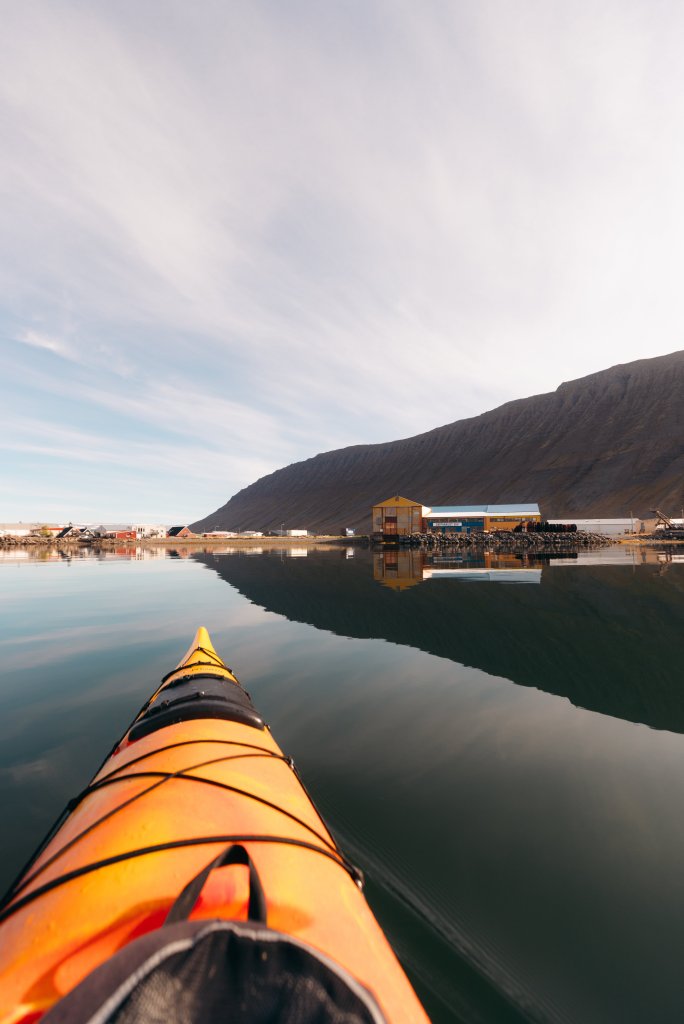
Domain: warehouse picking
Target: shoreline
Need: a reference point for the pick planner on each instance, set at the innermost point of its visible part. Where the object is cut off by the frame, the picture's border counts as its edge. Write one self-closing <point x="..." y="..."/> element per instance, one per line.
<point x="109" y="544"/>
<point x="508" y="542"/>
<point x="649" y="541"/>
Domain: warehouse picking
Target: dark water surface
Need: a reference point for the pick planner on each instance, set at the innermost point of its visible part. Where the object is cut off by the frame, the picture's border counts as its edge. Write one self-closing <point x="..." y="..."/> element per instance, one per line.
<point x="497" y="744"/>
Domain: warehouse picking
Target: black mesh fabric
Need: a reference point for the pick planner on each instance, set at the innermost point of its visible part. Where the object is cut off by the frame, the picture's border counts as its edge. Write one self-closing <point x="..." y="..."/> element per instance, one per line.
<point x="217" y="972"/>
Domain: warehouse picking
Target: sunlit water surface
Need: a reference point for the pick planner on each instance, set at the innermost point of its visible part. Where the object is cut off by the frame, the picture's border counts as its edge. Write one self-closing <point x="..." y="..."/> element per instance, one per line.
<point x="505" y="762"/>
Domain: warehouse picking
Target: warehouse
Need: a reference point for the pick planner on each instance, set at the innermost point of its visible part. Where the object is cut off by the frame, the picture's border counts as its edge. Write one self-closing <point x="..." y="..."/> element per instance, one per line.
<point x="607" y="527"/>
<point x="400" y="517"/>
<point x="479" y="518"/>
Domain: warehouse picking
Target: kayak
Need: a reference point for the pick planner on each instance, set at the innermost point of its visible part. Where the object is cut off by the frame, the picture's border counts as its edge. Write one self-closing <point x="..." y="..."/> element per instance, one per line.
<point x="194" y="872"/>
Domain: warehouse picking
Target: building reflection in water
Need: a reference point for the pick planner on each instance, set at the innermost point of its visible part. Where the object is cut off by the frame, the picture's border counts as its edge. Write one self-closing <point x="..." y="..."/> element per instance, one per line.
<point x="402" y="568"/>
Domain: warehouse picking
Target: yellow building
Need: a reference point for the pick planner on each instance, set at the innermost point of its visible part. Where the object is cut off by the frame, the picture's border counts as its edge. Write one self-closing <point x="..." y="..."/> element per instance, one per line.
<point x="480" y="518"/>
<point x="399" y="517"/>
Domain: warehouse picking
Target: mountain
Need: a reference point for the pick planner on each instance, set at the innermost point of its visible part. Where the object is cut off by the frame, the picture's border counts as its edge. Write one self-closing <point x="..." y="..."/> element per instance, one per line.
<point x="604" y="445"/>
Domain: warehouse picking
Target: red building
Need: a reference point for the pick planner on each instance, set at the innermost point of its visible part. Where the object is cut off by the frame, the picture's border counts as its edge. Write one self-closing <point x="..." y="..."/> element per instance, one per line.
<point x="180" y="532"/>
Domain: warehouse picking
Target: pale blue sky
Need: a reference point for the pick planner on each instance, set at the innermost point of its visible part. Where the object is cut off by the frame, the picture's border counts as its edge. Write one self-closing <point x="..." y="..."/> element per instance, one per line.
<point x="236" y="234"/>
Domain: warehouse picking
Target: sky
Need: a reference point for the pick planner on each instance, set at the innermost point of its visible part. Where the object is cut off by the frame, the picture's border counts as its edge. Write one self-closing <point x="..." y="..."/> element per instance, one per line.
<point x="236" y="234"/>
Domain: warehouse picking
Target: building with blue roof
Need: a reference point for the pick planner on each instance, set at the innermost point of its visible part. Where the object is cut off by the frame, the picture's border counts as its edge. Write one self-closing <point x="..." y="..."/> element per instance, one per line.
<point x="480" y="518"/>
<point x="399" y="516"/>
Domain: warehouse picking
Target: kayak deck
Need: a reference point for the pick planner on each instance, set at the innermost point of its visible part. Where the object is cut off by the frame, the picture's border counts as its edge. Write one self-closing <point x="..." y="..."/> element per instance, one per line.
<point x="197" y="770"/>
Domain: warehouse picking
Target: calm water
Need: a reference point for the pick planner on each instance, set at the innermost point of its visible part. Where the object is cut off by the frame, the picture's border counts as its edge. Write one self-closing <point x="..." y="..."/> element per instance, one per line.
<point x="498" y="744"/>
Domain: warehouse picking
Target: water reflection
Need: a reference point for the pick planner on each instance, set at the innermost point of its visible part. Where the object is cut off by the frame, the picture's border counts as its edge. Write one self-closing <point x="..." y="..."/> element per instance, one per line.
<point x="404" y="568"/>
<point x="524" y="855"/>
<point x="604" y="629"/>
<point x="401" y="568"/>
<point x="84" y="553"/>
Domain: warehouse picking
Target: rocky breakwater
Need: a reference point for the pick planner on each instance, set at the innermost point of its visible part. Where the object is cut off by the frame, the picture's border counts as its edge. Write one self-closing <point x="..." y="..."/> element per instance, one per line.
<point x="507" y="540"/>
<point x="41" y="543"/>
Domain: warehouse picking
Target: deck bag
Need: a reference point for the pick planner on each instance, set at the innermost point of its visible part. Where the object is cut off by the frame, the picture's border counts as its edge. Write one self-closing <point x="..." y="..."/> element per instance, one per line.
<point x="218" y="972"/>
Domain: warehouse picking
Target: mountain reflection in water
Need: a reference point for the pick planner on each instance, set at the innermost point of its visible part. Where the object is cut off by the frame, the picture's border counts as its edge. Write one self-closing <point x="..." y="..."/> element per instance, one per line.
<point x="593" y="629"/>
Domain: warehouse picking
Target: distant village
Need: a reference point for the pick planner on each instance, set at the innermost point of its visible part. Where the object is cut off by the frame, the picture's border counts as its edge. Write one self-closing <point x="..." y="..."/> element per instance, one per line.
<point x="127" y="532"/>
<point x="395" y="520"/>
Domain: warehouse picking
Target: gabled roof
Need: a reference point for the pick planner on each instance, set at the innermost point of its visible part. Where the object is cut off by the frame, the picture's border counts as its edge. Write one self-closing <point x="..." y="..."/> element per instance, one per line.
<point x="397" y="500"/>
<point x="175" y="530"/>
<point x="68" y="530"/>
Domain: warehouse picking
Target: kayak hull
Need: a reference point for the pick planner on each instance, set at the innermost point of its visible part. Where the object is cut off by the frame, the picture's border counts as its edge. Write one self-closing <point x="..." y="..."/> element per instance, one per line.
<point x="162" y="807"/>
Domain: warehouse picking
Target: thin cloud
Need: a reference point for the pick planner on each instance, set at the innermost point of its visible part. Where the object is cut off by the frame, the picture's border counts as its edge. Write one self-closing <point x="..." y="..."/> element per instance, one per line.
<point x="39" y="437"/>
<point x="36" y="339"/>
<point x="269" y="235"/>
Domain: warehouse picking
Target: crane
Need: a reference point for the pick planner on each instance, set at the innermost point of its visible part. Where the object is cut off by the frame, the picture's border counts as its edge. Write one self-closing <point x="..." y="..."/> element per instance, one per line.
<point x="662" y="518"/>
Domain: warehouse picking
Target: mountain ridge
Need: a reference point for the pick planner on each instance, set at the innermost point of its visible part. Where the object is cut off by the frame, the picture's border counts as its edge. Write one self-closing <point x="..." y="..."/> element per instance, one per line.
<point x="606" y="444"/>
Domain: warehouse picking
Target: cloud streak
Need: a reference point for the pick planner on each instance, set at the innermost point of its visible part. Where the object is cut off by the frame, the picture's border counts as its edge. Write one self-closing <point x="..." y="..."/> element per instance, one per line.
<point x="270" y="235"/>
<point x="45" y="341"/>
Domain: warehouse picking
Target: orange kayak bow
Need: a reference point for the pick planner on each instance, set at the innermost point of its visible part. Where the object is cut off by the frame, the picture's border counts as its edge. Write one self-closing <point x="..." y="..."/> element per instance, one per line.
<point x="197" y="820"/>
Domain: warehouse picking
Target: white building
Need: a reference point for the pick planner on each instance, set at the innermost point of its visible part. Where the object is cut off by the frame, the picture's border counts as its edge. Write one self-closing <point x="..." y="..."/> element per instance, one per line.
<point x="17" y="529"/>
<point x="150" y="530"/>
<point x="608" y="527"/>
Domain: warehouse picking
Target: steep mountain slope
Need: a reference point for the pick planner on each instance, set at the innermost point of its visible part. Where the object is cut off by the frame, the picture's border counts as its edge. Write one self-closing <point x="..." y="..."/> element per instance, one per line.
<point x="603" y="445"/>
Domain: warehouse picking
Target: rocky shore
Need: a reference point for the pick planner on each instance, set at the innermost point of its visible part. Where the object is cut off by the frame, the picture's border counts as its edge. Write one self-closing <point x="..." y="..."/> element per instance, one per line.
<point x="506" y="540"/>
<point x="38" y="542"/>
<point x="108" y="544"/>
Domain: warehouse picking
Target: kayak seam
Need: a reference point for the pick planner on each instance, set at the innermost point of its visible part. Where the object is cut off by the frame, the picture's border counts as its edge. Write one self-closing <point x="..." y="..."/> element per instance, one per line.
<point x="85" y="869"/>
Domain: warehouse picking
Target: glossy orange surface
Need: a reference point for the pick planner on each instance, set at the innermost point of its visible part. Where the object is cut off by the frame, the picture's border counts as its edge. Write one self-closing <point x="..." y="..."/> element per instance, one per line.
<point x="58" y="937"/>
